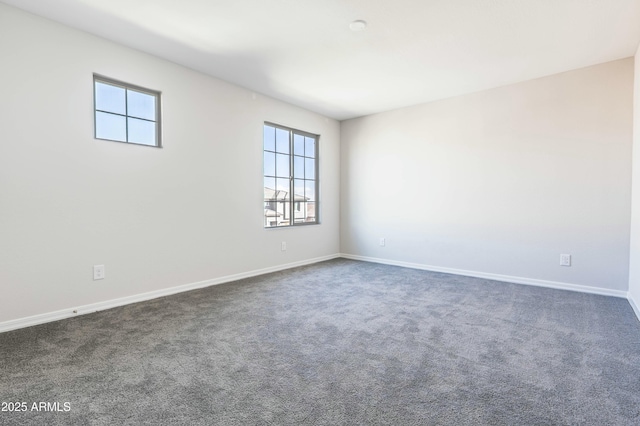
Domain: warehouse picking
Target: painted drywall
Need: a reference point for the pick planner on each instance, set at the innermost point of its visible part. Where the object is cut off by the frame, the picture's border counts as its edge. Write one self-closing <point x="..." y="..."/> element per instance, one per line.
<point x="499" y="182"/>
<point x="634" y="261"/>
<point x="156" y="218"/>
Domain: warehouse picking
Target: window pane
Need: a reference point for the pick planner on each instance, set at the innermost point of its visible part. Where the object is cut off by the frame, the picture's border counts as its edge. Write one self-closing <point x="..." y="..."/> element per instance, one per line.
<point x="311" y="212"/>
<point x="110" y="126"/>
<point x="310" y="168"/>
<point x="310" y="190"/>
<point x="282" y="209"/>
<point x="142" y="131"/>
<point x="269" y="138"/>
<point x="298" y="144"/>
<point x="298" y="167"/>
<point x="298" y="189"/>
<point x="270" y="215"/>
<point x="289" y="177"/>
<point x="310" y="147"/>
<point x="282" y="165"/>
<point x="269" y="163"/>
<point x="141" y="105"/>
<point x="282" y="141"/>
<point x="269" y="188"/>
<point x="110" y="98"/>
<point x="282" y="190"/>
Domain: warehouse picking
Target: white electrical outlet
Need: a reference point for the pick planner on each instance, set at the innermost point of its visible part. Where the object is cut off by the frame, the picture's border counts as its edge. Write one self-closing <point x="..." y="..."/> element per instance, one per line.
<point x="98" y="272"/>
<point x="283" y="246"/>
<point x="565" y="260"/>
<point x="383" y="242"/>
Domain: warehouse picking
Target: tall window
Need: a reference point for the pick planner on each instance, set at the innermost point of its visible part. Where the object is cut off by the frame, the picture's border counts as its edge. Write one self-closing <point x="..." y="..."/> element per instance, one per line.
<point x="290" y="177"/>
<point x="126" y="113"/>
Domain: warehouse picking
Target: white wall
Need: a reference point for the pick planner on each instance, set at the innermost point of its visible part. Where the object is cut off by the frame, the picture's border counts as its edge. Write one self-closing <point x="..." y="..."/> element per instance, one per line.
<point x="499" y="182"/>
<point x="634" y="263"/>
<point x="157" y="218"/>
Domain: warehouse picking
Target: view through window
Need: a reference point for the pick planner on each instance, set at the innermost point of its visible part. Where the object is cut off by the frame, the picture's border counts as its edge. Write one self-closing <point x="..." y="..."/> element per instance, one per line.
<point x="126" y="113"/>
<point x="290" y="177"/>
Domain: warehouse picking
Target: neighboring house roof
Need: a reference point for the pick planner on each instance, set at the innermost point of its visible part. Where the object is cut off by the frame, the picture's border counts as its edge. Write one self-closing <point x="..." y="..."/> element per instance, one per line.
<point x="271" y="213"/>
<point x="278" y="195"/>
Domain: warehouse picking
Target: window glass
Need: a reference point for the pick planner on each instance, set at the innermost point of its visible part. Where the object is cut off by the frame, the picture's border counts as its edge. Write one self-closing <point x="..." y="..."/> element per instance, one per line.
<point x="141" y="105"/>
<point x="282" y="141"/>
<point x="298" y="167"/>
<point x="298" y="144"/>
<point x="110" y="126"/>
<point x="310" y="147"/>
<point x="142" y="131"/>
<point x="282" y="165"/>
<point x="110" y="98"/>
<point x="269" y="138"/>
<point x="309" y="168"/>
<point x="126" y="113"/>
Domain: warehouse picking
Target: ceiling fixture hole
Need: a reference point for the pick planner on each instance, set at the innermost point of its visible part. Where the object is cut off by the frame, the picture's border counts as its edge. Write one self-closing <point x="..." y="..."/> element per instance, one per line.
<point x="358" y="25"/>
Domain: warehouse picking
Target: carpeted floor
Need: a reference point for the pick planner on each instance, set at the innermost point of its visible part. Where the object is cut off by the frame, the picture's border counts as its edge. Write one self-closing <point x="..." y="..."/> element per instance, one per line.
<point x="335" y="343"/>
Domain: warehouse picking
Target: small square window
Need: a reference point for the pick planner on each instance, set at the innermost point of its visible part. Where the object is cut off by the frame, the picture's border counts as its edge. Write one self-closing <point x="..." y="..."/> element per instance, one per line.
<point x="126" y="113"/>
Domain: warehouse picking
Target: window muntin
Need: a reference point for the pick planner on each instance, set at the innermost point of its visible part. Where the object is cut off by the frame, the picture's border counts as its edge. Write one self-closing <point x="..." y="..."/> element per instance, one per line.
<point x="126" y="113"/>
<point x="290" y="167"/>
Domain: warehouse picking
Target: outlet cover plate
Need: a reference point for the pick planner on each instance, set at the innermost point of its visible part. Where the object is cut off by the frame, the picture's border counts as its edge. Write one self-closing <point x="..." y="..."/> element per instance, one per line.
<point x="98" y="272"/>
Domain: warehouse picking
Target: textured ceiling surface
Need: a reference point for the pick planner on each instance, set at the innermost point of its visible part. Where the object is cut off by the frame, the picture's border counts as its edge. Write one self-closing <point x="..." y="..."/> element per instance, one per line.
<point x="412" y="51"/>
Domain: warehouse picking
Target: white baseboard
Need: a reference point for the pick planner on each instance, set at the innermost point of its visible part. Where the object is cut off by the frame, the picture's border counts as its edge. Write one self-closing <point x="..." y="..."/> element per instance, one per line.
<point x="634" y="305"/>
<point x="101" y="306"/>
<point x="495" y="277"/>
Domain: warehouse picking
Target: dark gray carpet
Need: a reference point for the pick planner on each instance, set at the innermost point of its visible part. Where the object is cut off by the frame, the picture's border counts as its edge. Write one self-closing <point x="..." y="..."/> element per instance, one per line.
<point x="335" y="343"/>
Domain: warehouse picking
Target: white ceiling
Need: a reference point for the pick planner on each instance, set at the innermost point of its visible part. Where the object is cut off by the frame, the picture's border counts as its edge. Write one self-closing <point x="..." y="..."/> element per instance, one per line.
<point x="412" y="51"/>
